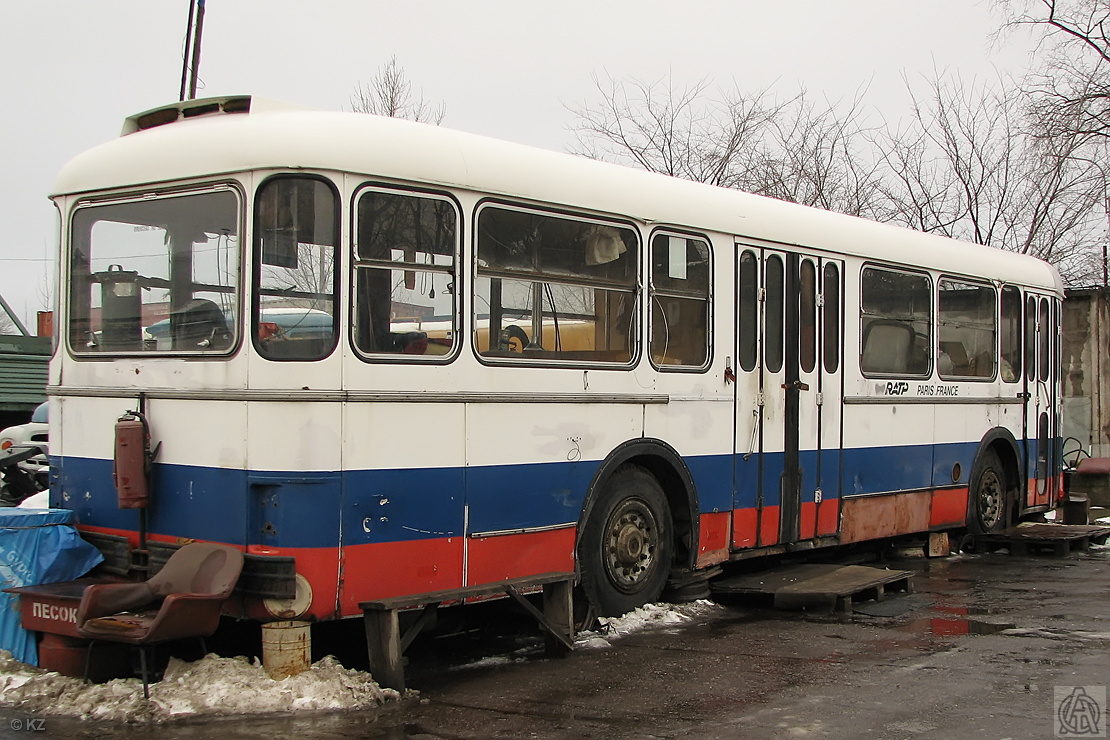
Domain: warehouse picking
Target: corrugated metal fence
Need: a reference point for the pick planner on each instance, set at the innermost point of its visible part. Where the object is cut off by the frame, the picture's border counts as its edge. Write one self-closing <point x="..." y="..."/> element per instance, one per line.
<point x="23" y="365"/>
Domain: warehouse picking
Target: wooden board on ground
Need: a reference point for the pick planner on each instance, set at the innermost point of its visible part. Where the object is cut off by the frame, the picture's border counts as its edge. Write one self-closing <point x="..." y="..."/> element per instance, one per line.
<point x="1056" y="539"/>
<point x="820" y="586"/>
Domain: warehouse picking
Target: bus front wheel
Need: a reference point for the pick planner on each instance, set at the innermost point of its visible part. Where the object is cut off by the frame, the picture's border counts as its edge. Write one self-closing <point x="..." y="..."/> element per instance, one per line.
<point x="626" y="545"/>
<point x="989" y="508"/>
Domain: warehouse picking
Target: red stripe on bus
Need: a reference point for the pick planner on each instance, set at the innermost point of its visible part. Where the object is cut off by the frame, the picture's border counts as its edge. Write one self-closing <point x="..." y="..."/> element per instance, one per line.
<point x="769" y="525"/>
<point x="320" y="567"/>
<point x="949" y="507"/>
<point x="745" y="523"/>
<point x="828" y="516"/>
<point x="807" y="526"/>
<point x="713" y="538"/>
<point x="381" y="570"/>
<point x="1050" y="491"/>
<point x="492" y="559"/>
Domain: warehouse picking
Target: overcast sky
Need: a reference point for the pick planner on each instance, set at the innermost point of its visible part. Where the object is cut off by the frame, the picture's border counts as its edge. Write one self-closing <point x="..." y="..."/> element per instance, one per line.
<point x="71" y="70"/>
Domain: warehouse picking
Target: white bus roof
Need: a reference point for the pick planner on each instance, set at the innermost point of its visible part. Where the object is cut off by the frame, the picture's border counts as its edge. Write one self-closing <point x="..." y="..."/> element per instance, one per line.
<point x="198" y="139"/>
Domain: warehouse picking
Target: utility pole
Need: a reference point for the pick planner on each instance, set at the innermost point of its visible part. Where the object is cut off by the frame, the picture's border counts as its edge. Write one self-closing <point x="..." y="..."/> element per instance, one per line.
<point x="190" y="63"/>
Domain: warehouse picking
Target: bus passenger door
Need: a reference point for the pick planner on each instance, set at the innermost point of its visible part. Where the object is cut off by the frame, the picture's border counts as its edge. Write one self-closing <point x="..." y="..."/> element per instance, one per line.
<point x="1040" y="398"/>
<point x="789" y="466"/>
<point x="821" y="490"/>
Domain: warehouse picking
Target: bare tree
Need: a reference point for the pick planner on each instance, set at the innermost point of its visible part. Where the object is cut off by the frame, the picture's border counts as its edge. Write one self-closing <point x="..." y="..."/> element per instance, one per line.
<point x="953" y="164"/>
<point x="683" y="131"/>
<point x="1070" y="93"/>
<point x="969" y="164"/>
<point x="820" y="155"/>
<point x="1068" y="100"/>
<point x="389" y="93"/>
<point x="789" y="149"/>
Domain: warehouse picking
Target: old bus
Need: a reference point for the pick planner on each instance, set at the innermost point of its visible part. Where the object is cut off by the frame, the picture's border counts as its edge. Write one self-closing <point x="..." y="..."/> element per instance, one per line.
<point x="385" y="358"/>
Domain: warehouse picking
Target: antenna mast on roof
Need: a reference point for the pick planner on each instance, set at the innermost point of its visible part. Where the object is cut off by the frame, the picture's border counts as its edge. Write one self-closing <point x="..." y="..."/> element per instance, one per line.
<point x="190" y="62"/>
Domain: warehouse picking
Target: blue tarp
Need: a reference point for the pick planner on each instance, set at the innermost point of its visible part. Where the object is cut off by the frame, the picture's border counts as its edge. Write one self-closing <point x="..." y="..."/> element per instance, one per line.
<point x="37" y="546"/>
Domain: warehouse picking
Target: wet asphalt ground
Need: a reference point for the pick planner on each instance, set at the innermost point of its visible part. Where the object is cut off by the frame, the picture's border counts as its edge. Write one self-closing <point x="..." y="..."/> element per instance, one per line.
<point x="978" y="650"/>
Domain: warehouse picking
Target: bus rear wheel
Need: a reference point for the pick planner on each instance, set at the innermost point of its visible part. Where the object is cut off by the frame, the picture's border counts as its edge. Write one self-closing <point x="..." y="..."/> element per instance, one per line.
<point x="989" y="505"/>
<point x="626" y="545"/>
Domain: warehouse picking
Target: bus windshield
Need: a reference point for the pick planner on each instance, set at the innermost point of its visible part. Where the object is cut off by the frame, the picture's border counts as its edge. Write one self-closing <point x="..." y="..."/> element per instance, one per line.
<point x="153" y="275"/>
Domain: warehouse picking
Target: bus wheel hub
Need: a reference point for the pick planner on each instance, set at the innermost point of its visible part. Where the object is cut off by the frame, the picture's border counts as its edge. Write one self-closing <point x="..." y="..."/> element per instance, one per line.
<point x="631" y="544"/>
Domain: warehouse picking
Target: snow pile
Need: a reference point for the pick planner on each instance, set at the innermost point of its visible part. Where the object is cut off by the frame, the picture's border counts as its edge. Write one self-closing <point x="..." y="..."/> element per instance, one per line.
<point x="236" y="686"/>
<point x="213" y="686"/>
<point x="654" y="615"/>
<point x="649" y="616"/>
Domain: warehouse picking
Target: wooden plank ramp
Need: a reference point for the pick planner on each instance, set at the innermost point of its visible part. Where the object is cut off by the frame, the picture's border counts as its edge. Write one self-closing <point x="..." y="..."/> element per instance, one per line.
<point x="817" y="585"/>
<point x="1054" y="539"/>
<point x="386" y="643"/>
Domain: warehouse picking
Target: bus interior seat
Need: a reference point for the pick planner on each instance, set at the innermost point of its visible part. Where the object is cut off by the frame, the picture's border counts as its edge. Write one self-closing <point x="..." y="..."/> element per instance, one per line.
<point x="982" y="365"/>
<point x="887" y="346"/>
<point x="409" y="342"/>
<point x="919" y="360"/>
<point x="958" y="362"/>
<point x="200" y="323"/>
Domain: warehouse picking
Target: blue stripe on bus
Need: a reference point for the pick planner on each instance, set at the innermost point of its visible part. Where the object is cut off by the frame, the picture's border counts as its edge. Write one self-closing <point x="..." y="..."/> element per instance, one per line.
<point x="312" y="509"/>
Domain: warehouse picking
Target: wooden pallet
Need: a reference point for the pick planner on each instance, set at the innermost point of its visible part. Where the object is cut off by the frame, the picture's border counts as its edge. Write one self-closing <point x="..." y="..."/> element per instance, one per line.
<point x="1054" y="539"/>
<point x="818" y="586"/>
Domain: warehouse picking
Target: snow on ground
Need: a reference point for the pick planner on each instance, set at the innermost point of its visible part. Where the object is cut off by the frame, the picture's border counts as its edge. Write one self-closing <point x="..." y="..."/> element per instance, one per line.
<point x="217" y="687"/>
<point x="610" y="629"/>
<point x="650" y="616"/>
<point x="213" y="686"/>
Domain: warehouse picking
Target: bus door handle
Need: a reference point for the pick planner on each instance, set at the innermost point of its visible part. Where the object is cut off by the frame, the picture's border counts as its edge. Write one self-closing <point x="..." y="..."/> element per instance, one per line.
<point x="795" y="385"/>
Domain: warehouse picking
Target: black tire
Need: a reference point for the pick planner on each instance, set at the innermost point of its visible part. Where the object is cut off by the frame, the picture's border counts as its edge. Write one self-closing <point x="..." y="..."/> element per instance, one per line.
<point x="988" y="501"/>
<point x="626" y="545"/>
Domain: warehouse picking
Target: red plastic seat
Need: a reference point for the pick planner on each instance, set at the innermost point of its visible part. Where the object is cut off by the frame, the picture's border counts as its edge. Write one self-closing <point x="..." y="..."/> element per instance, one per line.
<point x="184" y="599"/>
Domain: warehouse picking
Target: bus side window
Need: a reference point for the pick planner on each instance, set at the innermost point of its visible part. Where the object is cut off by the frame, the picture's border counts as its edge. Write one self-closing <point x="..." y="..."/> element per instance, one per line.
<point x="830" y="312"/>
<point x="404" y="281"/>
<point x="774" y="313"/>
<point x="1031" y="338"/>
<point x="807" y="278"/>
<point x="1010" y="334"/>
<point x="296" y="260"/>
<point x="553" y="288"/>
<point x="748" y="311"/>
<point x="679" y="301"/>
<point x="158" y="274"/>
<point x="966" y="328"/>
<point x="1044" y="342"/>
<point x="895" y="322"/>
